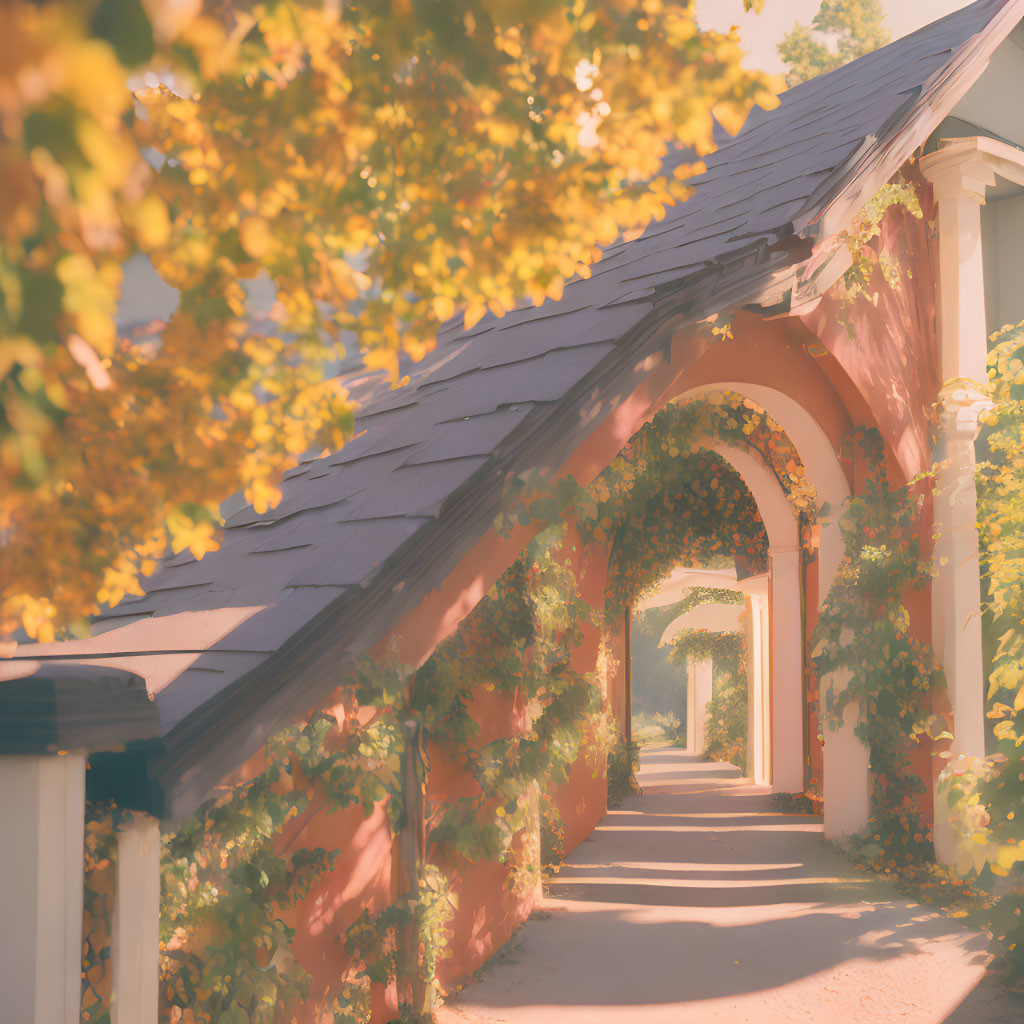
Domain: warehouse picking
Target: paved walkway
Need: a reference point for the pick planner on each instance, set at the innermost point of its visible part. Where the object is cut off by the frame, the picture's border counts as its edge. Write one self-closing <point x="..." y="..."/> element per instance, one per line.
<point x="696" y="903"/>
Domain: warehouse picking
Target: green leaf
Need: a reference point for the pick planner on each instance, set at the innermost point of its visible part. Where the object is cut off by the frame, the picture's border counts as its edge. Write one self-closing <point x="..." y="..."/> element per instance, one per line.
<point x="123" y="24"/>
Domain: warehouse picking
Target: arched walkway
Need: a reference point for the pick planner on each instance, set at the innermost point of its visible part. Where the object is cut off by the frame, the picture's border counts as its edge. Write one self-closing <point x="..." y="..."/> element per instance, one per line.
<point x="713" y="618"/>
<point x="696" y="903"/>
<point x="845" y="759"/>
<point x="777" y="704"/>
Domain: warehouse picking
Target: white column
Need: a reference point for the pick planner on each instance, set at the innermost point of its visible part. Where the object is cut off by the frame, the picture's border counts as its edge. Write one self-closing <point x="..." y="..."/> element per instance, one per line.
<point x="846" y="786"/>
<point x="135" y="947"/>
<point x="846" y="772"/>
<point x="691" y="707"/>
<point x="847" y="782"/>
<point x="702" y="684"/>
<point x="787" y="703"/>
<point x="960" y="176"/>
<point x="759" y="676"/>
<point x="956" y="589"/>
<point x="42" y="832"/>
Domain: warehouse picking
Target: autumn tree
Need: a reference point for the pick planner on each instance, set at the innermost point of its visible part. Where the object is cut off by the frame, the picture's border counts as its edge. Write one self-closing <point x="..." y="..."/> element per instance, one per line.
<point x="384" y="163"/>
<point x="851" y="29"/>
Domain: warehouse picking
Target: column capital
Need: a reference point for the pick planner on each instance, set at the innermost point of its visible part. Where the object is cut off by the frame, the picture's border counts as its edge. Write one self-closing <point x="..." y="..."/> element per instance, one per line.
<point x="967" y="167"/>
<point x="960" y="403"/>
<point x="959" y="169"/>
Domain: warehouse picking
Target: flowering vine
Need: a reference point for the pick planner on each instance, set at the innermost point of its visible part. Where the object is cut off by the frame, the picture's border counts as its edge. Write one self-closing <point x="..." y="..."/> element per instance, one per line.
<point x="866" y="655"/>
<point x="669" y="500"/>
<point x="231" y="872"/>
<point x="985" y="797"/>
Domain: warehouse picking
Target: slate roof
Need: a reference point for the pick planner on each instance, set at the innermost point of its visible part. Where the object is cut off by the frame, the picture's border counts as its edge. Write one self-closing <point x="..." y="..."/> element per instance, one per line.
<point x="235" y="645"/>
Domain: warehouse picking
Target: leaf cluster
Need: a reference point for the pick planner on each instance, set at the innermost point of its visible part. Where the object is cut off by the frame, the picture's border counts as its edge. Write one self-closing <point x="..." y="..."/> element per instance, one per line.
<point x="852" y="27"/>
<point x="725" y="725"/>
<point x="670" y="500"/>
<point x="377" y="167"/>
<point x="866" y="655"/>
<point x="986" y="798"/>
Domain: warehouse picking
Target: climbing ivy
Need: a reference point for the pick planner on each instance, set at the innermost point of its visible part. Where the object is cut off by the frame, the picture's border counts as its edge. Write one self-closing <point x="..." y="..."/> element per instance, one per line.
<point x="623" y="764"/>
<point x="867" y="256"/>
<point x="707" y="645"/>
<point x="986" y="797"/>
<point x="669" y="500"/>
<point x="229" y="875"/>
<point x="656" y="620"/>
<point x="866" y="654"/>
<point x="725" y="724"/>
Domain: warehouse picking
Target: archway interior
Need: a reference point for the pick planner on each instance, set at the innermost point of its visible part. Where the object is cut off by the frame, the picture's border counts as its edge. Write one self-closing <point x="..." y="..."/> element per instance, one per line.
<point x="711" y="485"/>
<point x="689" y="648"/>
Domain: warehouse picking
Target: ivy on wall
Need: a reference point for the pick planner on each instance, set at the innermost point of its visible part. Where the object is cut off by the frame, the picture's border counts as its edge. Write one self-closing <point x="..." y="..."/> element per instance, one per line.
<point x="657" y="620"/>
<point x="229" y="875"/>
<point x="669" y="500"/>
<point x="868" y="257"/>
<point x="986" y="797"/>
<point x="866" y="654"/>
<point x="725" y="724"/>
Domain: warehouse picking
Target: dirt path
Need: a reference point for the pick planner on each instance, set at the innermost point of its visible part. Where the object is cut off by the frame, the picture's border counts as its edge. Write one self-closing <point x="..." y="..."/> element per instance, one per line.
<point x="697" y="903"/>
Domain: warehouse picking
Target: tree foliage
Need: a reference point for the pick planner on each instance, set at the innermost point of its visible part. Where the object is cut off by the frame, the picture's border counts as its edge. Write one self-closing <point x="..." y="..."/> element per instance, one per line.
<point x="385" y="163"/>
<point x="854" y="26"/>
<point x="985" y="797"/>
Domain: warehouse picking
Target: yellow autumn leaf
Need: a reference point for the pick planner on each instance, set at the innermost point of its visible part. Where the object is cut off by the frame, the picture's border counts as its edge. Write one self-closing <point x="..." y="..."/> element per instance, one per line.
<point x="256" y="237"/>
<point x="152" y="225"/>
<point x="474" y="313"/>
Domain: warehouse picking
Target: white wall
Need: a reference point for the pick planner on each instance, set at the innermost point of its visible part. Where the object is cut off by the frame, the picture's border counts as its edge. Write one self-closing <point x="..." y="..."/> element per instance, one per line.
<point x="994" y="101"/>
<point x="1003" y="253"/>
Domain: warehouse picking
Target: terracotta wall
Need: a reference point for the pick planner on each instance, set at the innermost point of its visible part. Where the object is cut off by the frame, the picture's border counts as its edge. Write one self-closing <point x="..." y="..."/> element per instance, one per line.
<point x="886" y="366"/>
<point x="488" y="908"/>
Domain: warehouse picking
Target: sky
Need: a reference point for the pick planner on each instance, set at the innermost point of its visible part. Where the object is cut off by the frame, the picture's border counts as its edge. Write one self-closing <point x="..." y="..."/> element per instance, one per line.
<point x="762" y="32"/>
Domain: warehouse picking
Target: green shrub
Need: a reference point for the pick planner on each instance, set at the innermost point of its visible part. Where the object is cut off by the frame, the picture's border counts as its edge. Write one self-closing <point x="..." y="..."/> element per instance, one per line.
<point x="725" y="732"/>
<point x="623" y="762"/>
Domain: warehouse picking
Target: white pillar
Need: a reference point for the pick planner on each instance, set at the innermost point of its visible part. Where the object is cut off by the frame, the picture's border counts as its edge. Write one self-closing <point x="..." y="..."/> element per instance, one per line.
<point x="691" y="707"/>
<point x="956" y="589"/>
<point x="960" y="176"/>
<point x="846" y="771"/>
<point x="702" y="684"/>
<point x="759" y="676"/>
<point x="787" y="702"/>
<point x="42" y="835"/>
<point x="847" y="782"/>
<point x="846" y="788"/>
<point x="135" y="947"/>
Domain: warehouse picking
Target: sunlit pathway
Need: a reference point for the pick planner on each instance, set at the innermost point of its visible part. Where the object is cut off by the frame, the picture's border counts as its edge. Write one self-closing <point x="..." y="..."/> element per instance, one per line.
<point x="697" y="903"/>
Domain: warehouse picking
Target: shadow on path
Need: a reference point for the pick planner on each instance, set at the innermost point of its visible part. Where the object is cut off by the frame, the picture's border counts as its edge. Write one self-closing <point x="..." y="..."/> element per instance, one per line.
<point x="697" y="902"/>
